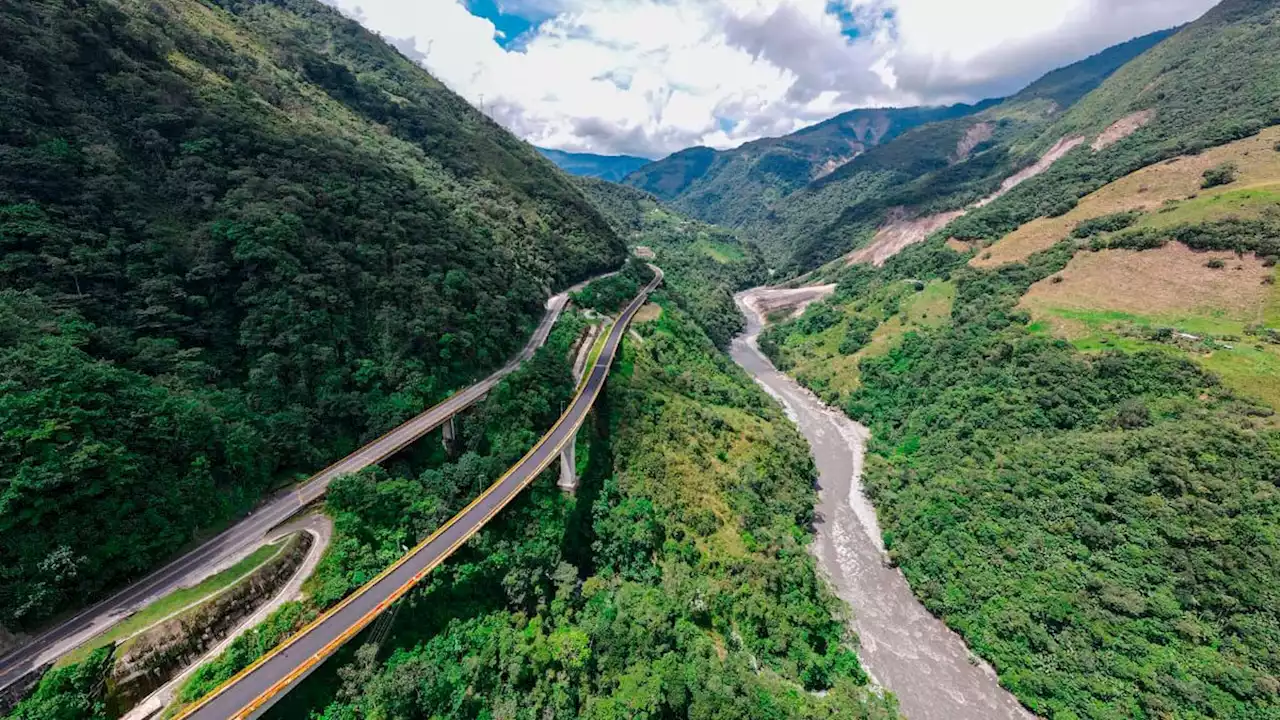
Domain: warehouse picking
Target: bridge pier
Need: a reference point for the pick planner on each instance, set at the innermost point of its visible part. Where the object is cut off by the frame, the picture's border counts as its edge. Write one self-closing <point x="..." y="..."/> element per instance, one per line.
<point x="569" y="466"/>
<point x="449" y="431"/>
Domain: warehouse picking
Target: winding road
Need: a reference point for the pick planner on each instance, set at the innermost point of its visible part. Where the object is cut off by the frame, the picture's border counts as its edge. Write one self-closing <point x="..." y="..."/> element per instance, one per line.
<point x="247" y="535"/>
<point x="258" y="686"/>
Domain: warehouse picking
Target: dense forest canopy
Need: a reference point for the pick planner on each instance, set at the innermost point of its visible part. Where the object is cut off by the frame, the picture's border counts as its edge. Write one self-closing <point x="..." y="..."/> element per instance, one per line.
<point x="235" y="239"/>
<point x="1102" y="528"/>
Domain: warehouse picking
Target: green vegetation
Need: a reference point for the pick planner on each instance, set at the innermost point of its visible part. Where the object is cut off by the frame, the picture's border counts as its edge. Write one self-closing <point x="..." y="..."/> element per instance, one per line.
<point x="611" y="294"/>
<point x="76" y="692"/>
<point x="1223" y="174"/>
<point x="735" y="186"/>
<point x="1212" y="83"/>
<point x="675" y="584"/>
<point x="1102" y="528"/>
<point x="858" y="334"/>
<point x="237" y="238"/>
<point x="816" y="347"/>
<point x="174" y="602"/>
<point x="250" y="646"/>
<point x="1105" y="224"/>
<point x="703" y="265"/>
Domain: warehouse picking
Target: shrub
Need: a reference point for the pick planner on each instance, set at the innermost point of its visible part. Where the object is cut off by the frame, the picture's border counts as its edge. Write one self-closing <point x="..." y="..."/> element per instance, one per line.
<point x="1215" y="264"/>
<point x="858" y="335"/>
<point x="1106" y="223"/>
<point x="1223" y="174"/>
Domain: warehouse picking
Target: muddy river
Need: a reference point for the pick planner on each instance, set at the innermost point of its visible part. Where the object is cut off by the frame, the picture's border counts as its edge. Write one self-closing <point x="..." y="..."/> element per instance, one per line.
<point x="903" y="647"/>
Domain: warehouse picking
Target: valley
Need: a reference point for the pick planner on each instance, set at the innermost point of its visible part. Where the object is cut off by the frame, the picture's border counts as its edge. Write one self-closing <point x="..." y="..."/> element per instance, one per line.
<point x="967" y="408"/>
<point x="904" y="647"/>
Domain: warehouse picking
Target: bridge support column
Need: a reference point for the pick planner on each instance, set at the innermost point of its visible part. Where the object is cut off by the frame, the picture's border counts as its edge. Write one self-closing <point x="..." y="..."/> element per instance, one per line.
<point x="450" y="432"/>
<point x="569" y="466"/>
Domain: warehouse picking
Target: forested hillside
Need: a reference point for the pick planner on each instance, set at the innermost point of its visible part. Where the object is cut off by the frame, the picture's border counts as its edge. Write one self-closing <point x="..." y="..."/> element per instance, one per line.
<point x="939" y="167"/>
<point x="1216" y="81"/>
<point x="732" y="187"/>
<point x="675" y="584"/>
<point x="1075" y="452"/>
<point x="815" y="194"/>
<point x="235" y="239"/>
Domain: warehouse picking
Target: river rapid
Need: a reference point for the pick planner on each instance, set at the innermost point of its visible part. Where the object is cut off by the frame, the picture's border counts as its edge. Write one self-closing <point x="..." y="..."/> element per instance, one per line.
<point x="903" y="647"/>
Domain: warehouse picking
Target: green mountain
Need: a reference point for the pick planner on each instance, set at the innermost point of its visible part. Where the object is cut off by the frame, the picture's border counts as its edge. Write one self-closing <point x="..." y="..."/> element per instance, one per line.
<point x="1073" y="389"/>
<point x="607" y="167"/>
<point x="236" y="238"/>
<point x="729" y="186"/>
<point x="1214" y="82"/>
<point x="936" y="167"/>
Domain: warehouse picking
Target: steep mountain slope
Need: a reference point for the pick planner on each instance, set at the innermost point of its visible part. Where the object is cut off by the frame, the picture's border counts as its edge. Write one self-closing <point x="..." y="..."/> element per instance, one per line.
<point x="935" y="168"/>
<point x="235" y="238"/>
<point x="728" y="186"/>
<point x="1076" y="455"/>
<point x="606" y="167"/>
<point x="1216" y="81"/>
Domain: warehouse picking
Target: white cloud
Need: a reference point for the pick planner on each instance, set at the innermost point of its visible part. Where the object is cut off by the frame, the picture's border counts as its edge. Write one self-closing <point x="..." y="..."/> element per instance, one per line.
<point x="650" y="77"/>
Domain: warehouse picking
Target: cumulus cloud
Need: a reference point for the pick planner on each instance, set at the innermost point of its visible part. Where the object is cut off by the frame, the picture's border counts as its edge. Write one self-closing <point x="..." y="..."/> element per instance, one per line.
<point x="649" y="77"/>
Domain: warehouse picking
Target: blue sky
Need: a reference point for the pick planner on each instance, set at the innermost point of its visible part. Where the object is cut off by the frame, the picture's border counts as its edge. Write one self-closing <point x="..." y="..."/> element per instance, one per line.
<point x="511" y="26"/>
<point x="650" y="77"/>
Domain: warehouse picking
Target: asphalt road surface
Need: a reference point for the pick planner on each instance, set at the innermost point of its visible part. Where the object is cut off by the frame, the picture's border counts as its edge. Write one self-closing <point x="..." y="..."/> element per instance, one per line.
<point x="241" y="539"/>
<point x="254" y="690"/>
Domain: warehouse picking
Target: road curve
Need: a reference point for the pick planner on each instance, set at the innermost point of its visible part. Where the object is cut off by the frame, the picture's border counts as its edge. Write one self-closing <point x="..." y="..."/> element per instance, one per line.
<point x="257" y="687"/>
<point x="242" y="538"/>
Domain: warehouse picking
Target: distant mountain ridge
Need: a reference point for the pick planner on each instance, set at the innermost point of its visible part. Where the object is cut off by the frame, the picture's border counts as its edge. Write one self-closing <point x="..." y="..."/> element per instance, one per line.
<point x="606" y="167"/>
<point x="799" y="196"/>
<point x="727" y="186"/>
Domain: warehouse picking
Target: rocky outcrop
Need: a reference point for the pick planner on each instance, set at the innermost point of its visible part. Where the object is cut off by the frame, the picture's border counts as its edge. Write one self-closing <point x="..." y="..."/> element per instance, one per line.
<point x="147" y="661"/>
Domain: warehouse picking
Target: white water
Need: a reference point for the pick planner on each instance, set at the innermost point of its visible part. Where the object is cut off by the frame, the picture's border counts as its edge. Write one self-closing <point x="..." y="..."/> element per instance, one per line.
<point x="903" y="647"/>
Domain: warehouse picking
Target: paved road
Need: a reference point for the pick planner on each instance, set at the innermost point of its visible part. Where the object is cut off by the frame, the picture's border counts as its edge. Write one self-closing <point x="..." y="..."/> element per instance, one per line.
<point x="241" y="539"/>
<point x="249" y="694"/>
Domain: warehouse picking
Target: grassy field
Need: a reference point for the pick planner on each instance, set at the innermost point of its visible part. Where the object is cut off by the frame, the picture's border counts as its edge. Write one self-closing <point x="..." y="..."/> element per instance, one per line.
<point x="723" y="253"/>
<point x="821" y="364"/>
<point x="174" y="602"/>
<point x="1171" y="287"/>
<point x="1169" y="193"/>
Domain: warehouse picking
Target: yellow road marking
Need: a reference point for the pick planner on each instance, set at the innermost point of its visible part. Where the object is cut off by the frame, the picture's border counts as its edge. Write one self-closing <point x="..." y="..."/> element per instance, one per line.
<point x="322" y="654"/>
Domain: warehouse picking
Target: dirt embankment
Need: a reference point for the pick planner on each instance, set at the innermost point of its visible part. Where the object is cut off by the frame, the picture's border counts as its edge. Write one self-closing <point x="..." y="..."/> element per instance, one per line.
<point x="149" y="660"/>
<point x="973" y="137"/>
<point x="770" y="301"/>
<point x="902" y="231"/>
<point x="1122" y="128"/>
<point x="1046" y="161"/>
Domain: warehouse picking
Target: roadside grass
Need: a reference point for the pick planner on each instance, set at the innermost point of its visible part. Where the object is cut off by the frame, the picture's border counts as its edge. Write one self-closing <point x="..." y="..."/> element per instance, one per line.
<point x="596" y="349"/>
<point x="1170" y="287"/>
<point x="1168" y="192"/>
<point x="173" y="603"/>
